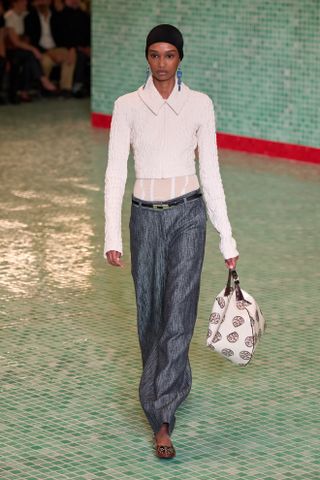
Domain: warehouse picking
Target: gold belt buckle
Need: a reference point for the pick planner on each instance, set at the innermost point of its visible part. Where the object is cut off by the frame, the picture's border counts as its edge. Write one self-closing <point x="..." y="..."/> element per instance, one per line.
<point x="160" y="206"/>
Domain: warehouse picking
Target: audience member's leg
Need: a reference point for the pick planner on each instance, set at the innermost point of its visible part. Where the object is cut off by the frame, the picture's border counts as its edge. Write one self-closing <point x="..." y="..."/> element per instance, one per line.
<point x="47" y="64"/>
<point x="61" y="56"/>
<point x="80" y="73"/>
<point x="26" y="66"/>
<point x="67" y="72"/>
<point x="38" y="75"/>
<point x="17" y="75"/>
<point x="32" y="70"/>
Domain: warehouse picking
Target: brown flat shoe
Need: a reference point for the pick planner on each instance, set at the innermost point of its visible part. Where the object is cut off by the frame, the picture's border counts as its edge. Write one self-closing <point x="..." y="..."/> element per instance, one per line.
<point x="163" y="451"/>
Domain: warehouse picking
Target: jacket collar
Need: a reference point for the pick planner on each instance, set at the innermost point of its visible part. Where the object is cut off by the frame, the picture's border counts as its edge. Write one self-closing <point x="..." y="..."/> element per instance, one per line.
<point x="153" y="99"/>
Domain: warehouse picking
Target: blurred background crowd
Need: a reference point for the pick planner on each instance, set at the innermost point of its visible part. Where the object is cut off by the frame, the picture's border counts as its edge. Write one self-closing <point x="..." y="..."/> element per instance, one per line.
<point x="44" y="49"/>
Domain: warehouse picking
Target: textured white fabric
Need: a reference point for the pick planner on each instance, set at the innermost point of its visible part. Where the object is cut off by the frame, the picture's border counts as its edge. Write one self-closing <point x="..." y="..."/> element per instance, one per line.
<point x="164" y="134"/>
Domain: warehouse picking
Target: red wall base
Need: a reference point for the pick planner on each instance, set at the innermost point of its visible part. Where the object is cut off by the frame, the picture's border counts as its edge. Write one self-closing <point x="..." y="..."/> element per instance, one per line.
<point x="100" y="120"/>
<point x="245" y="144"/>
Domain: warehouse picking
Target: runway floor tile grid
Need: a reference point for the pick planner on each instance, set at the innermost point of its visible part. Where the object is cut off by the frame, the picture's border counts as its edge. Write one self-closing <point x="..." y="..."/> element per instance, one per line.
<point x="69" y="355"/>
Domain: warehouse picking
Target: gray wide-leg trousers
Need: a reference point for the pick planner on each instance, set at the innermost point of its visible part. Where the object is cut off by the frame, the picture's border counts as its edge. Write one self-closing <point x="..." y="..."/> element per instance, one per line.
<point x="167" y="249"/>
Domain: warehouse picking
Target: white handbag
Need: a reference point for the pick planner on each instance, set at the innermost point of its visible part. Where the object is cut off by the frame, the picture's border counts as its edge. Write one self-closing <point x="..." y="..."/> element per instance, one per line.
<point x="236" y="323"/>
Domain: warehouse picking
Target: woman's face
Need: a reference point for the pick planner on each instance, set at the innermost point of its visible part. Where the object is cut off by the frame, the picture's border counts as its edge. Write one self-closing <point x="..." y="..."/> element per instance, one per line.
<point x="163" y="59"/>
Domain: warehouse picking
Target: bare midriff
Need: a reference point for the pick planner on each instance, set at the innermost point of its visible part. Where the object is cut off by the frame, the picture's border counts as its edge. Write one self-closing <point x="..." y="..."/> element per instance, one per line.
<point x="164" y="188"/>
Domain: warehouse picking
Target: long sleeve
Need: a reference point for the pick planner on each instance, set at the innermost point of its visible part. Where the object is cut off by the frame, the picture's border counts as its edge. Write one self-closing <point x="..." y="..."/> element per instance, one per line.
<point x="116" y="176"/>
<point x="211" y="182"/>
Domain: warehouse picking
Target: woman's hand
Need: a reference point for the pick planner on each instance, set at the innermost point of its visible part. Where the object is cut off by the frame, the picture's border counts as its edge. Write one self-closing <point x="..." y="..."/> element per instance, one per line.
<point x="231" y="262"/>
<point x="113" y="257"/>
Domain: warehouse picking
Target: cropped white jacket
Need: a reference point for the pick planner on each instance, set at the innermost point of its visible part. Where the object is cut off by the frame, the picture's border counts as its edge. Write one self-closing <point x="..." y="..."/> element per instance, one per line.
<point x="164" y="134"/>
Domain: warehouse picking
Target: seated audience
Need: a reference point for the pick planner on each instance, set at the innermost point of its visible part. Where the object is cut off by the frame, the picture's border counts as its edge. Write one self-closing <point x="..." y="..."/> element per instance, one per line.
<point x="76" y="31"/>
<point x="23" y="56"/>
<point x="44" y="29"/>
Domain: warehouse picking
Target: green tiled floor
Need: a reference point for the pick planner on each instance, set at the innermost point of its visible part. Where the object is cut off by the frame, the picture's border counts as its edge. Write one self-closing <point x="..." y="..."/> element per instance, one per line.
<point x="70" y="361"/>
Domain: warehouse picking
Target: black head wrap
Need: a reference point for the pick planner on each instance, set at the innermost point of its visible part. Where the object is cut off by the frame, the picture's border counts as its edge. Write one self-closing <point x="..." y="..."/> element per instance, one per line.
<point x="165" y="33"/>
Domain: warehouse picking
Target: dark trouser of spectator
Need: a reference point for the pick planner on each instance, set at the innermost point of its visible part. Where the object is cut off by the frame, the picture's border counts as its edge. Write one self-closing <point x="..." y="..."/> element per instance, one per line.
<point x="81" y="77"/>
<point x="2" y="72"/>
<point x="25" y="69"/>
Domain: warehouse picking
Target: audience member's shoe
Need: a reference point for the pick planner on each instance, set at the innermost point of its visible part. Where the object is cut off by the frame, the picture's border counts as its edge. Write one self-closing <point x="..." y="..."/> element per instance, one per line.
<point x="80" y="91"/>
<point x="47" y="84"/>
<point x="49" y="93"/>
<point x="66" y="93"/>
<point x="25" y="97"/>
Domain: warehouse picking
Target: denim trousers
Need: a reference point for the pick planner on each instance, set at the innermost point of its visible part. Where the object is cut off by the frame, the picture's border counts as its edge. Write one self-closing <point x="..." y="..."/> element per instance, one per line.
<point x="167" y="250"/>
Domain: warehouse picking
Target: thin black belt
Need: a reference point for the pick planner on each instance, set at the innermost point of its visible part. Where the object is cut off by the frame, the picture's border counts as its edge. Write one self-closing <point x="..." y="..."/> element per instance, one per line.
<point x="169" y="203"/>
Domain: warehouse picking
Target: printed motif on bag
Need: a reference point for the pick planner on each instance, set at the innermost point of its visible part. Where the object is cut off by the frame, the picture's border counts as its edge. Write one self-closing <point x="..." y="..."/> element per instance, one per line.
<point x="237" y="321"/>
<point x="232" y="337"/>
<point x="227" y="352"/>
<point x="221" y="302"/>
<point x="214" y="317"/>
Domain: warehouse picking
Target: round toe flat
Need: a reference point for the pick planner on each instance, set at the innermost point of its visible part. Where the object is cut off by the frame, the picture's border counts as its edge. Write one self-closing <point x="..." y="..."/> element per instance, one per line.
<point x="164" y="451"/>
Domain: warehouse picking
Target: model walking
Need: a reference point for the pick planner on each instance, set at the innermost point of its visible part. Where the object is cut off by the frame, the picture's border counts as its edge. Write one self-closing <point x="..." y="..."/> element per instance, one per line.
<point x="164" y="121"/>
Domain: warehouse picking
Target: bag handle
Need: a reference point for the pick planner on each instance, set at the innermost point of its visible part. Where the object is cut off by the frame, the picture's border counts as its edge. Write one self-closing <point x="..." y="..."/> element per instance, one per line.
<point x="233" y="274"/>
